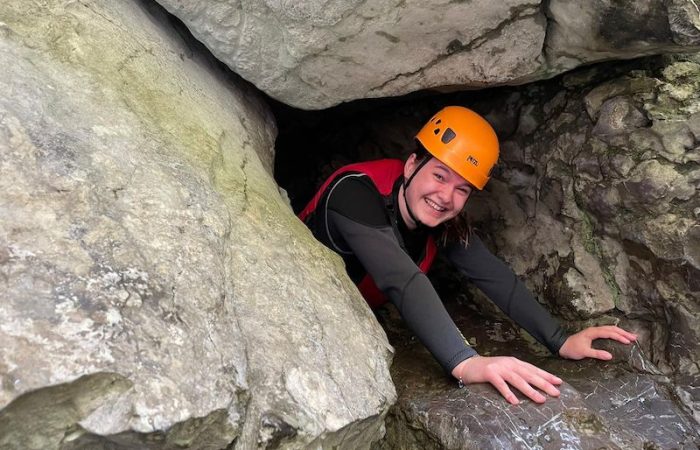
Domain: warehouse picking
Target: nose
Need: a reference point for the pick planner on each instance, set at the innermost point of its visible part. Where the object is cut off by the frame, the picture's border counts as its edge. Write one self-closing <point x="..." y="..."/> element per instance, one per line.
<point x="446" y="192"/>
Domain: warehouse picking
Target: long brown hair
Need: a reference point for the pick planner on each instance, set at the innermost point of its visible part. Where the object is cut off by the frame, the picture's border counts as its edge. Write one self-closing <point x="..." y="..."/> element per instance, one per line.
<point x="459" y="228"/>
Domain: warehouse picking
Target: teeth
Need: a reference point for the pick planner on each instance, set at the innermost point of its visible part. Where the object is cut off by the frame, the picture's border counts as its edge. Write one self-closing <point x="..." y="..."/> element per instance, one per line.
<point x="434" y="205"/>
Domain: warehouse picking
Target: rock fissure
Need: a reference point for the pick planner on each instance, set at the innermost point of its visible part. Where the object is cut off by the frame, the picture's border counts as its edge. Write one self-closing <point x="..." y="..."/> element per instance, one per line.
<point x="454" y="47"/>
<point x="104" y="17"/>
<point x="244" y="163"/>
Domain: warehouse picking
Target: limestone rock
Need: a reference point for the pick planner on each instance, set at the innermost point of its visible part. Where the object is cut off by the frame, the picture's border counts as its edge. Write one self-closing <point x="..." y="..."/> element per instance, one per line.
<point x="583" y="32"/>
<point x="618" y="115"/>
<point x="625" y="403"/>
<point x="155" y="289"/>
<point x="628" y="194"/>
<point x="654" y="186"/>
<point x="316" y="54"/>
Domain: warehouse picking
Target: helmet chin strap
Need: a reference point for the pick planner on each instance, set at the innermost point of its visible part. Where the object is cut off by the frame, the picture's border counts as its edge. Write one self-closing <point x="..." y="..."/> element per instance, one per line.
<point x="405" y="187"/>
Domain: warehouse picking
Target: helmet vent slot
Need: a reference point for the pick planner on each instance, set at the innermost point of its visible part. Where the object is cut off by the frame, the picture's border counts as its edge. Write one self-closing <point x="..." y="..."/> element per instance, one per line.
<point x="436" y="131"/>
<point x="439" y="121"/>
<point x="448" y="135"/>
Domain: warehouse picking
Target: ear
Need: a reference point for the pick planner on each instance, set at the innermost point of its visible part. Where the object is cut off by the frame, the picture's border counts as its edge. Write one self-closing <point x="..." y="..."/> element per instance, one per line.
<point x="409" y="166"/>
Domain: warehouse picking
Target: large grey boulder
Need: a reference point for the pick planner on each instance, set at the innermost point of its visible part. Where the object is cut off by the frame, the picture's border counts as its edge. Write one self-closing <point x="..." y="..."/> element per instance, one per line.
<point x="155" y="289"/>
<point x="316" y="54"/>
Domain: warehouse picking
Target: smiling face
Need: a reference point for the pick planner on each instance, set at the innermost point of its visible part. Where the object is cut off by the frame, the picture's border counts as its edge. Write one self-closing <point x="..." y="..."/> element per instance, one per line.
<point x="436" y="193"/>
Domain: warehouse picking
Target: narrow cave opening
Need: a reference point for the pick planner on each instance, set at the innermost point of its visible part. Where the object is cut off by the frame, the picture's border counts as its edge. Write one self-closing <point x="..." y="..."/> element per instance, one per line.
<point x="312" y="144"/>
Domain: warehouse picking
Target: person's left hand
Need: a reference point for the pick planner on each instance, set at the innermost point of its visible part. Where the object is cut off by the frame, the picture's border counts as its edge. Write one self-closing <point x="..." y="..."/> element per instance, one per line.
<point x="580" y="345"/>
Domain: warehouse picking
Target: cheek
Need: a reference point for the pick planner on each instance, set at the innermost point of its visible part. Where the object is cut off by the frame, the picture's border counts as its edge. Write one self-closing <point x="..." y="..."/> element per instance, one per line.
<point x="460" y="201"/>
<point x="413" y="199"/>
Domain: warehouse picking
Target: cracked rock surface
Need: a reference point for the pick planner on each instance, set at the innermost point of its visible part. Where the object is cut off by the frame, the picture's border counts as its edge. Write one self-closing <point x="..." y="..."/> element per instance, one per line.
<point x="155" y="289"/>
<point x="319" y="53"/>
<point x="621" y="404"/>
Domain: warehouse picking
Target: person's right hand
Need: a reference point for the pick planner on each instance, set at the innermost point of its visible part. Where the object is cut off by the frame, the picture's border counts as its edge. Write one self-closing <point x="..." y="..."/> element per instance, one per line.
<point x="502" y="371"/>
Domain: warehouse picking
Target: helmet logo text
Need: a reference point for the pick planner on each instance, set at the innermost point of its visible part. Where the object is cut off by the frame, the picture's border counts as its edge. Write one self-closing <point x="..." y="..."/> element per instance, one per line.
<point x="473" y="160"/>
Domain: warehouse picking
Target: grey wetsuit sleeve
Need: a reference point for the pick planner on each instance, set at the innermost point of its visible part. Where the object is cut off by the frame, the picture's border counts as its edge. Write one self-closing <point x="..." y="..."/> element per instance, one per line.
<point x="495" y="279"/>
<point x="407" y="288"/>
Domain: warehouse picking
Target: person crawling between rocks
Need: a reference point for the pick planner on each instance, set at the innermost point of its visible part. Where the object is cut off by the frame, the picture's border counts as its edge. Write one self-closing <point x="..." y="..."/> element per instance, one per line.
<point x="388" y="218"/>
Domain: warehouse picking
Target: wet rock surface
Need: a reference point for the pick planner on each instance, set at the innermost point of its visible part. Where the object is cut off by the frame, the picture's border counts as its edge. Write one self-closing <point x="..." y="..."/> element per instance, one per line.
<point x="620" y="404"/>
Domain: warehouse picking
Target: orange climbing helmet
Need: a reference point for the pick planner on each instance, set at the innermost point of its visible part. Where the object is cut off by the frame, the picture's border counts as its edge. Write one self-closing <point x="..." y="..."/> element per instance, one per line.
<point x="463" y="141"/>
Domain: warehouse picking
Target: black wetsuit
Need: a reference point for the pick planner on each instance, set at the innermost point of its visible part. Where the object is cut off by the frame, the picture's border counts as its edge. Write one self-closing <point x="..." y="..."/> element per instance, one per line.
<point x="358" y="226"/>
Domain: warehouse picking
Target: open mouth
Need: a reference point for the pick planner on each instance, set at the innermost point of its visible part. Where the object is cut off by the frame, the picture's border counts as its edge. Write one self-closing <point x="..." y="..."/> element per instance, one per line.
<point x="435" y="206"/>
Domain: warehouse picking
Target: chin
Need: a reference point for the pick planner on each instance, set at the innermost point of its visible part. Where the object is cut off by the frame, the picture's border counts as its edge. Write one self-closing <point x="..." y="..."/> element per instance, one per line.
<point x="433" y="222"/>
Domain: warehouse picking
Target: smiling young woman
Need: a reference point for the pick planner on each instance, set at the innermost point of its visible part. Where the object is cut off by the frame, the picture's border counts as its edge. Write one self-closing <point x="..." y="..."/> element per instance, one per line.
<point x="389" y="218"/>
<point x="435" y="195"/>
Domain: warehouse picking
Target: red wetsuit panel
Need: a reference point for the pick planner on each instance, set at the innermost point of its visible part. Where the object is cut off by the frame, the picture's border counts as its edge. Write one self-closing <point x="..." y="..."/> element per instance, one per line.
<point x="383" y="173"/>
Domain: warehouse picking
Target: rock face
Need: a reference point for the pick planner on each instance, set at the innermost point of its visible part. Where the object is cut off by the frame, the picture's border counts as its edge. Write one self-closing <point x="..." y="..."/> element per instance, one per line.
<point x="316" y="54"/>
<point x="155" y="289"/>
<point x="599" y="205"/>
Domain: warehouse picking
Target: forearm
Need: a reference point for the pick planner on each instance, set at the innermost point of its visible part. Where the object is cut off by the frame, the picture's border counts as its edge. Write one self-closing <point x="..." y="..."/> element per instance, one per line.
<point x="526" y="311"/>
<point x="495" y="279"/>
<point x="425" y="315"/>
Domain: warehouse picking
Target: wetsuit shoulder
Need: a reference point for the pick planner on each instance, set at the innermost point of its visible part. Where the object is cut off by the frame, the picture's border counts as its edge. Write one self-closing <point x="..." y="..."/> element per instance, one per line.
<point x="356" y="197"/>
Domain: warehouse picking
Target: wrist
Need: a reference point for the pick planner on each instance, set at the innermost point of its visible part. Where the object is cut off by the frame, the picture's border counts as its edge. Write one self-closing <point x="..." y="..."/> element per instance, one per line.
<point x="461" y="369"/>
<point x="564" y="350"/>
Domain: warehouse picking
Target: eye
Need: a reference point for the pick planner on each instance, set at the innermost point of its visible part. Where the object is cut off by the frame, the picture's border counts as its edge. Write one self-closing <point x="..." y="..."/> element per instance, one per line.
<point x="465" y="191"/>
<point x="439" y="177"/>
